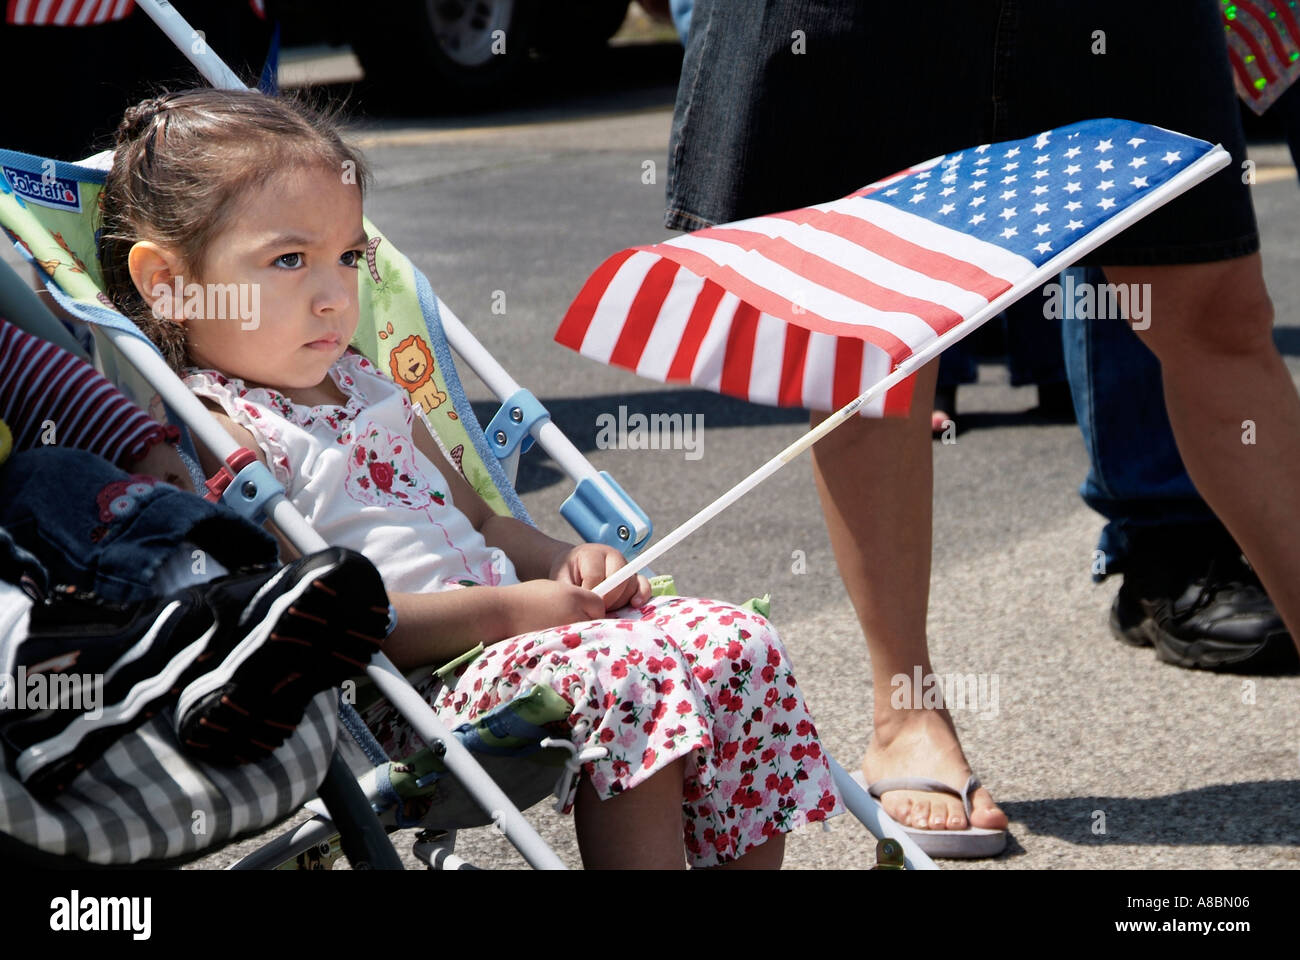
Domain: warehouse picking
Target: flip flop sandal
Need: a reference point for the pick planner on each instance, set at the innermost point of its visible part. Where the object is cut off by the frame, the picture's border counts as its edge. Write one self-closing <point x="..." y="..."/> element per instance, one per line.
<point x="969" y="844"/>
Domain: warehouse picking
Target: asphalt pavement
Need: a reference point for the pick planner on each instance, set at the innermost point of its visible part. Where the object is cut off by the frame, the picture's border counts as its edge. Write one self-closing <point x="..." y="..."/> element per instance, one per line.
<point x="1178" y="768"/>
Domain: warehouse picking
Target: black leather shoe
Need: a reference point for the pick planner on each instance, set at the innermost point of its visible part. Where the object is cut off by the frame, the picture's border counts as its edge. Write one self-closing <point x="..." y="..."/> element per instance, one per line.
<point x="1211" y="615"/>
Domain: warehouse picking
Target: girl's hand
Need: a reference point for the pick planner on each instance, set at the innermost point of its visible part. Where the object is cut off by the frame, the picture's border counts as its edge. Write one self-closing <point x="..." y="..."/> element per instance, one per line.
<point x="588" y="564"/>
<point x="542" y="604"/>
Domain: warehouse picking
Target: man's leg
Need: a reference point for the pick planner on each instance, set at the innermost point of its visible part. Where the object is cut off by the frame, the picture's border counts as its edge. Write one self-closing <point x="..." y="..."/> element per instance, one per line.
<point x="1233" y="407"/>
<point x="875" y="478"/>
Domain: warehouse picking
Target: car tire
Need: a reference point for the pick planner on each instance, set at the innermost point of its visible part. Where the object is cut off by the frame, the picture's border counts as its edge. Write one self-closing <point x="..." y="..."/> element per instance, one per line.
<point x="453" y="53"/>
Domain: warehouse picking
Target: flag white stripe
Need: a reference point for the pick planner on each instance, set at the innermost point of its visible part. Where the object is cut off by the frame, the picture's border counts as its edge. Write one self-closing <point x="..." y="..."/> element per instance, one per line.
<point x="42" y="12"/>
<point x="819" y="371"/>
<point x="87" y="11"/>
<point x="768" y="359"/>
<point x="875" y="367"/>
<point x="64" y="13"/>
<point x="121" y="8"/>
<point x="707" y="371"/>
<point x="866" y="263"/>
<point x="815" y="298"/>
<point x="20" y="12"/>
<point x="987" y="256"/>
<point x="611" y="313"/>
<point x="666" y="336"/>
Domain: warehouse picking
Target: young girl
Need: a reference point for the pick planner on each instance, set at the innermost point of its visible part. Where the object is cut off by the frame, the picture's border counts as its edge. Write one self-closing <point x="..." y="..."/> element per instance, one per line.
<point x="709" y="742"/>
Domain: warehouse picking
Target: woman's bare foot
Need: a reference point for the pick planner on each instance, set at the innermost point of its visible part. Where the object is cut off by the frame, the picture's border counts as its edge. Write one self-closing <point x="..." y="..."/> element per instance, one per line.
<point x="923" y="743"/>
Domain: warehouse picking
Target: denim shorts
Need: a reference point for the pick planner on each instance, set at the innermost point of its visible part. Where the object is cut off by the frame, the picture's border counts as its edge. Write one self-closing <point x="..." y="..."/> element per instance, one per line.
<point x="99" y="529"/>
<point x="787" y="103"/>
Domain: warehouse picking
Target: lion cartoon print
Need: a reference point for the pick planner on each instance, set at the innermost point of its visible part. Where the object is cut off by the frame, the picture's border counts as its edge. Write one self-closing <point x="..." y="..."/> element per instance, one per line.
<point x="411" y="364"/>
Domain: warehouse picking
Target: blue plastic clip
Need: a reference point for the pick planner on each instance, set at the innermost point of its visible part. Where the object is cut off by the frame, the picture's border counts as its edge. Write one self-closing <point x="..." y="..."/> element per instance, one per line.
<point x="244" y="484"/>
<point x="513" y="423"/>
<point x="597" y="520"/>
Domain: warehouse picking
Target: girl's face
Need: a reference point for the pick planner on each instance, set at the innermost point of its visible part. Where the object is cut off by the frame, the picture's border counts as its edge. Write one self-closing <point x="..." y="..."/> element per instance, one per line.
<point x="292" y="250"/>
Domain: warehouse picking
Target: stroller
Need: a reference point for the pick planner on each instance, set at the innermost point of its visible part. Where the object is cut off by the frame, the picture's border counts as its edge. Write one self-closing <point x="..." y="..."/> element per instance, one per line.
<point x="144" y="801"/>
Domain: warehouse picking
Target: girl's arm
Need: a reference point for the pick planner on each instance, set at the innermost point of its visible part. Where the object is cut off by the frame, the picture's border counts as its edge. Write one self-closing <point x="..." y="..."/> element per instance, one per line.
<point x="535" y="555"/>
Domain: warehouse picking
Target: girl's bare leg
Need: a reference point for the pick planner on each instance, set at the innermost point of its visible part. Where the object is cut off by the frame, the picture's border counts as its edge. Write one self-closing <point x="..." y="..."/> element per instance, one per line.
<point x="637" y="830"/>
<point x="876" y="479"/>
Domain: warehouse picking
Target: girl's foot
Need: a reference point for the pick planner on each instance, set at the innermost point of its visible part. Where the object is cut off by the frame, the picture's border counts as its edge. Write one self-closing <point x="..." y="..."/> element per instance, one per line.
<point x="945" y="409"/>
<point x="923" y="743"/>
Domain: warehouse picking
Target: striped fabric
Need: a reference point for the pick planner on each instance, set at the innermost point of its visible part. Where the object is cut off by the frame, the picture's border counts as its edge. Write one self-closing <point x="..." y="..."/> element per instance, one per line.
<point x="80" y="13"/>
<point x="49" y="396"/>
<point x="145" y="800"/>
<point x="1264" y="48"/>
<point x="811" y="307"/>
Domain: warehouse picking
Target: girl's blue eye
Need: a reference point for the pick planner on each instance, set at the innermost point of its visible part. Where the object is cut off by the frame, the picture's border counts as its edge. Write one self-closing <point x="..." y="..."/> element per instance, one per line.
<point x="286" y="256"/>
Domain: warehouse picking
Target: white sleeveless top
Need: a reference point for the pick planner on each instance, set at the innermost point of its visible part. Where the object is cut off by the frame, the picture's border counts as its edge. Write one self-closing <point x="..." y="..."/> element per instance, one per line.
<point x="357" y="477"/>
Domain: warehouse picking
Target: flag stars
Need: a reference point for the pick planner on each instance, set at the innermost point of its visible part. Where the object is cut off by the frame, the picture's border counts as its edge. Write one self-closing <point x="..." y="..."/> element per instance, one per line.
<point x="1010" y="166"/>
<point x="1072" y="169"/>
<point x="1072" y="153"/>
<point x="1136" y="142"/>
<point x="1106" y="203"/>
<point x="947" y="208"/>
<point x="976" y="202"/>
<point x="917" y="198"/>
<point x="1106" y="185"/>
<point x="1074" y="225"/>
<point x="1043" y="247"/>
<point x="1039" y="190"/>
<point x="977" y="219"/>
<point x="1137" y="162"/>
<point x="1013" y="152"/>
<point x="891" y="191"/>
<point x="948" y="178"/>
<point x="1009" y="178"/>
<point x="1039" y="174"/>
<point x="1073" y="205"/>
<point x="981" y="148"/>
<point x="1041" y="159"/>
<point x="947" y="191"/>
<point x="1073" y="187"/>
<point x="1007" y="213"/>
<point x="1173" y="156"/>
<point x="978" y="184"/>
<point x="1042" y="228"/>
<point x="1104" y="165"/>
<point x="1008" y="233"/>
<point x="918" y="186"/>
<point x="923" y="175"/>
<point x="1008" y="194"/>
<point x="1104" y="145"/>
<point x="981" y="161"/>
<point x="1138" y="182"/>
<point x="1040" y="208"/>
<point x="1042" y="141"/>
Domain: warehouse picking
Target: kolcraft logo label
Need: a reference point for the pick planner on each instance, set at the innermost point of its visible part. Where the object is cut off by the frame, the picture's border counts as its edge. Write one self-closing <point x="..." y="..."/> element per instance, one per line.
<point x="58" y="192"/>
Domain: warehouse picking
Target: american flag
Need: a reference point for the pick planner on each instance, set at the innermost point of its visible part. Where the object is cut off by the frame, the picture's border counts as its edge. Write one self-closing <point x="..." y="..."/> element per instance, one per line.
<point x="79" y="13"/>
<point x="1264" y="47"/>
<point x="812" y="307"/>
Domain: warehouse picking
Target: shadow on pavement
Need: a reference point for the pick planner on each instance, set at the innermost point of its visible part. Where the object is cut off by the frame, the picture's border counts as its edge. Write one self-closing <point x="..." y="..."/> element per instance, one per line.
<point x="1256" y="813"/>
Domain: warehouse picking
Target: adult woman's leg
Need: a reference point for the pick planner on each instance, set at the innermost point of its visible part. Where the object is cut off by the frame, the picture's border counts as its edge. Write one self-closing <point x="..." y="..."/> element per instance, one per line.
<point x="876" y="479"/>
<point x="1233" y="406"/>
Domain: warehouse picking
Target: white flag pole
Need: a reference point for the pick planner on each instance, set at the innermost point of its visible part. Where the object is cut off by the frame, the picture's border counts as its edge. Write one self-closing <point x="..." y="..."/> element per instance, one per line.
<point x="1198" y="171"/>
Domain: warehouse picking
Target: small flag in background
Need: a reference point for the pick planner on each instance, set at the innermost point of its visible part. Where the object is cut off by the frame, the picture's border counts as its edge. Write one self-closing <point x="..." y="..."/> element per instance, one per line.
<point x="69" y="13"/>
<point x="1264" y="48"/>
<point x="812" y="307"/>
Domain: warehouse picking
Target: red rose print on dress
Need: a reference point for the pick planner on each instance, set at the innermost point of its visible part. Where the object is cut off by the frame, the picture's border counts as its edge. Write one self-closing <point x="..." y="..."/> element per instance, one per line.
<point x="382" y="471"/>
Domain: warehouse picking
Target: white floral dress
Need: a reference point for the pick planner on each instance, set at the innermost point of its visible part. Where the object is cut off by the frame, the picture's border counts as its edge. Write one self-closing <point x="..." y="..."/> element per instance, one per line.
<point x="678" y="678"/>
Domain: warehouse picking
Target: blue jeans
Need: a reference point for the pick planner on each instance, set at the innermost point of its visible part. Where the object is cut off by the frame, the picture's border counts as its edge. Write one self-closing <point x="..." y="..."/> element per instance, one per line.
<point x="70" y="517"/>
<point x="1137" y="480"/>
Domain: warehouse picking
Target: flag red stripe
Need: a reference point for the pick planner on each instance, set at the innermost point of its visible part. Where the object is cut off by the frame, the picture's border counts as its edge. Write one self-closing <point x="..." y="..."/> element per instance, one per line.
<point x="739" y="357"/>
<point x="1255" y="48"/>
<point x="1270" y="31"/>
<point x="768" y="302"/>
<point x="793" y="358"/>
<point x="697" y="325"/>
<point x="905" y="253"/>
<point x="847" y="381"/>
<point x="898" y="398"/>
<point x="824" y="273"/>
<point x="10" y="10"/>
<point x="1292" y="27"/>
<point x="578" y="319"/>
<point x="1239" y="66"/>
<point x="643" y="313"/>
